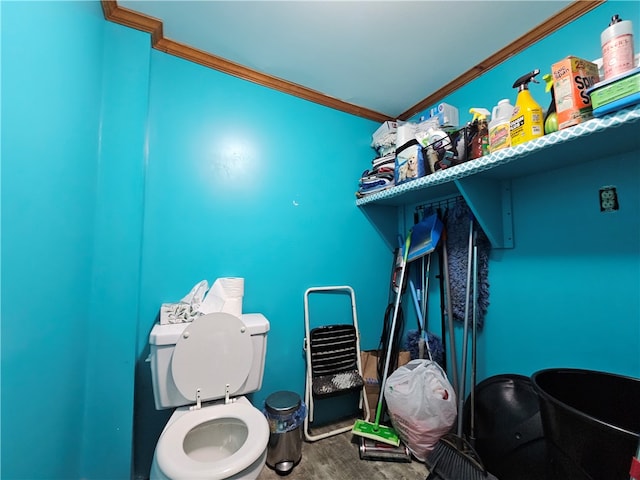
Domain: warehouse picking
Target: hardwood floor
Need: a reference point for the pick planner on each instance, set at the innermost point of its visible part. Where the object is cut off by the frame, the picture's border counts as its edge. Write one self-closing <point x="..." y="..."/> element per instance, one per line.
<point x="338" y="458"/>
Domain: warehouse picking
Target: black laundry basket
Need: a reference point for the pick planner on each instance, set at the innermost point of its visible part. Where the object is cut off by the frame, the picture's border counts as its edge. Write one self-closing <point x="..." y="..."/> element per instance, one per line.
<point x="509" y="437"/>
<point x="591" y="419"/>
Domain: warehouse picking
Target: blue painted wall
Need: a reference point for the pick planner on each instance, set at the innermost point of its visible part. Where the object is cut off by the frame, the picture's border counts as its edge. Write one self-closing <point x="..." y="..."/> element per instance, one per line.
<point x="129" y="175"/>
<point x="245" y="181"/>
<point x="568" y="294"/>
<point x="51" y="101"/>
<point x="119" y="196"/>
<point x="146" y="163"/>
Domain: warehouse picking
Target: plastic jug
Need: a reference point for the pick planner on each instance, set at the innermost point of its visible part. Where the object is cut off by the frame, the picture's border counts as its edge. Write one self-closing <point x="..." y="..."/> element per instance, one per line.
<point x="499" y="134"/>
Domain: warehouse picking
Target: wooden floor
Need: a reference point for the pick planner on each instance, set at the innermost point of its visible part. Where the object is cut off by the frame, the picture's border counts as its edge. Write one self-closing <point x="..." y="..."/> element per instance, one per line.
<point x="338" y="458"/>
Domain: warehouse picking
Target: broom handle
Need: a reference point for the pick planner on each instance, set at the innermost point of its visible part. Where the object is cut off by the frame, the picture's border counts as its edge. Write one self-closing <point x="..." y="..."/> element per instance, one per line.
<point x="465" y="340"/>
<point x="421" y="341"/>
<point x="396" y="308"/>
<point x="472" y="430"/>
<point x="425" y="291"/>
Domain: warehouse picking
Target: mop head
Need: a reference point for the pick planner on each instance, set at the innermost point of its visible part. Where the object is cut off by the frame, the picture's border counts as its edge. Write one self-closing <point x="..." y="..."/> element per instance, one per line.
<point x="376" y="432"/>
<point x="435" y="345"/>
<point x="457" y="221"/>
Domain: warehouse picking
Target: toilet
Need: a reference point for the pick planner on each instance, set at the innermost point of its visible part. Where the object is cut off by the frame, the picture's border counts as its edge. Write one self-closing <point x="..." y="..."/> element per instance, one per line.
<point x="204" y="368"/>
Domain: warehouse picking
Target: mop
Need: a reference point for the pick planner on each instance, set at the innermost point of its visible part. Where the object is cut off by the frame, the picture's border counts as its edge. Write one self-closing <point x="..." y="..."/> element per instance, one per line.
<point x="374" y="430"/>
<point x="456" y="243"/>
<point x="453" y="457"/>
<point x="371" y="449"/>
<point x="447" y="310"/>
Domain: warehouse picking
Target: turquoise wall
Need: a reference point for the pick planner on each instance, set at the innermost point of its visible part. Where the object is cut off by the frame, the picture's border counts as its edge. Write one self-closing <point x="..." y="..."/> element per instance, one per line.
<point x="568" y="293"/>
<point x="51" y="102"/>
<point x="150" y="174"/>
<point x="119" y="197"/>
<point x="130" y="175"/>
<point x="245" y="181"/>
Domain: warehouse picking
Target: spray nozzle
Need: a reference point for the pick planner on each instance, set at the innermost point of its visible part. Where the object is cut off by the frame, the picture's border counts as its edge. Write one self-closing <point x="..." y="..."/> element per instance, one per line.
<point x="615" y="19"/>
<point x="548" y="80"/>
<point x="479" y="113"/>
<point x="523" y="82"/>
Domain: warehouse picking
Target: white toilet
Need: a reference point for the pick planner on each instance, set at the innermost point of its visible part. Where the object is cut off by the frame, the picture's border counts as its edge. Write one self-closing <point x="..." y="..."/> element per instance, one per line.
<point x="204" y="368"/>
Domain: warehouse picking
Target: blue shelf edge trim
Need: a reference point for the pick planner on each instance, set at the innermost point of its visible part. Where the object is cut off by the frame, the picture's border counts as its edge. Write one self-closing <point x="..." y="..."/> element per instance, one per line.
<point x="507" y="155"/>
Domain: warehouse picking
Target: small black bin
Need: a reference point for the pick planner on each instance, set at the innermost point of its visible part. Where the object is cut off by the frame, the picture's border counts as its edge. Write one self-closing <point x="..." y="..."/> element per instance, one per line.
<point x="285" y="413"/>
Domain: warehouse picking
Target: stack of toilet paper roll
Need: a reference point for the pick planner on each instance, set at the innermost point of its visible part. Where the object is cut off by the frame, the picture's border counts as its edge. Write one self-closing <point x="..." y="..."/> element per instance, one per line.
<point x="225" y="295"/>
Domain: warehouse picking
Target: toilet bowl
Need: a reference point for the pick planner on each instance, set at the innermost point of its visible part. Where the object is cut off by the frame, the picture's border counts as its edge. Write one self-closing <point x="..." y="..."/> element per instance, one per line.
<point x="205" y="368"/>
<point x="212" y="443"/>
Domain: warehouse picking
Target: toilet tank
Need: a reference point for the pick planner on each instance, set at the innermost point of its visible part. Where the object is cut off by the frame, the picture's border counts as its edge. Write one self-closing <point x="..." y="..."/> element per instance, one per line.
<point x="162" y="341"/>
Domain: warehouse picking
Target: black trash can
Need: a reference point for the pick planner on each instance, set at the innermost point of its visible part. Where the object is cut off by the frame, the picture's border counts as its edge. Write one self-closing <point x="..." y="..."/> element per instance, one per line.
<point x="285" y="413"/>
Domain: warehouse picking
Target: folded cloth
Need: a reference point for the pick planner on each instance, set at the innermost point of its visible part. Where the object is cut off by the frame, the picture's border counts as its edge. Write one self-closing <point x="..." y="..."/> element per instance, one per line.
<point x="374" y="184"/>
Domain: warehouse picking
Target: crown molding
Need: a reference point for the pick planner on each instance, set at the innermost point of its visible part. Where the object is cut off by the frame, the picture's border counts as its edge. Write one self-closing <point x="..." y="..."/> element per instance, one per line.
<point x="130" y="18"/>
<point x="562" y="18"/>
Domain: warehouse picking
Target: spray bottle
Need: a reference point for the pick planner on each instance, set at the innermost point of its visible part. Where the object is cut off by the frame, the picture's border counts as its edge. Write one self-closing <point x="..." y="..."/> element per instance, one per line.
<point x="551" y="117"/>
<point x="526" y="121"/>
<point x="479" y="144"/>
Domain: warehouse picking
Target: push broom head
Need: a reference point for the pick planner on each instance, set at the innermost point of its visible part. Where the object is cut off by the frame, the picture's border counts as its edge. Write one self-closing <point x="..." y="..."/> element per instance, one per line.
<point x="453" y="458"/>
<point x="376" y="432"/>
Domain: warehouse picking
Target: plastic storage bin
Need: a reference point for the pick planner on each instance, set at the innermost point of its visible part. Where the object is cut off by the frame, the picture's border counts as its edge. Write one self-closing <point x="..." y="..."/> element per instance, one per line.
<point x="285" y="413"/>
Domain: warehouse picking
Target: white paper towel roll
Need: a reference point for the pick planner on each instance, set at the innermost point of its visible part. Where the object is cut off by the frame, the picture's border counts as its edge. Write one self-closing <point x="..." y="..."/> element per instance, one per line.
<point x="225" y="295"/>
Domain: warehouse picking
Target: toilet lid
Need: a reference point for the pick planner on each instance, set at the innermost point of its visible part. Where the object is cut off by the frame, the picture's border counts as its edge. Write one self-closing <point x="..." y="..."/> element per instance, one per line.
<point x="215" y="350"/>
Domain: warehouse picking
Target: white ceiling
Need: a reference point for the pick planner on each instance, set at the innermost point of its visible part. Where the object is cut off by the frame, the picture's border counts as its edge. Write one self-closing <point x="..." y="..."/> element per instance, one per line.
<point x="385" y="56"/>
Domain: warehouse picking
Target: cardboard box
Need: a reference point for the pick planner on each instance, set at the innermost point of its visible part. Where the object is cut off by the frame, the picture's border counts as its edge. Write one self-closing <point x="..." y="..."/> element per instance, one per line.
<point x="572" y="77"/>
<point x="447" y="115"/>
<point x="385" y="128"/>
<point x="369" y="360"/>
<point x="385" y="134"/>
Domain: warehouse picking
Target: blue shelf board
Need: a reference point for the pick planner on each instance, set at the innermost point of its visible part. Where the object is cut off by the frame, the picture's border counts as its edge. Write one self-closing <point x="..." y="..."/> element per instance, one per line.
<point x="598" y="138"/>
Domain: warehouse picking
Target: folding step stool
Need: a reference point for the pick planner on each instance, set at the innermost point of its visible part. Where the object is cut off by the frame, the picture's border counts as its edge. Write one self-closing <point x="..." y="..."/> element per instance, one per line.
<point x="333" y="362"/>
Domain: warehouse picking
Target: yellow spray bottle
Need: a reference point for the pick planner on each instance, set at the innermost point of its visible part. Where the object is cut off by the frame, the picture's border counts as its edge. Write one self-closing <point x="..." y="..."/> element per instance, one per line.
<point x="526" y="121"/>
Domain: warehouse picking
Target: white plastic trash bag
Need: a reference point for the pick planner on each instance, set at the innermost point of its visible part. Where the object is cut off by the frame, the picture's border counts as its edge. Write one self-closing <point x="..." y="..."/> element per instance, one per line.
<point x="421" y="404"/>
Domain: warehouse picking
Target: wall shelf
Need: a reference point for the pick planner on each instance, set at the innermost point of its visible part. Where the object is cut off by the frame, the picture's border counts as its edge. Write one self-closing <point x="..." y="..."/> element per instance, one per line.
<point x="485" y="183"/>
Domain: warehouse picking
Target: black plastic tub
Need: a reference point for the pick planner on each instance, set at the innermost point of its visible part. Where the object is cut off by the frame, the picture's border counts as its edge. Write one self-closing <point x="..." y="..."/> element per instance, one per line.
<point x="592" y="418"/>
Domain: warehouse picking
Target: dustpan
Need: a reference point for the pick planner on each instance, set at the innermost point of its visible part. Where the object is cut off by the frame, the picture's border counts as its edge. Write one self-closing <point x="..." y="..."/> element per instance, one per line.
<point x="424" y="237"/>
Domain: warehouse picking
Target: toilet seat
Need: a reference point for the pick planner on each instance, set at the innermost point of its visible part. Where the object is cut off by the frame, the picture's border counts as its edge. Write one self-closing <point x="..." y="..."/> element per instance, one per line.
<point x="175" y="463"/>
<point x="205" y="346"/>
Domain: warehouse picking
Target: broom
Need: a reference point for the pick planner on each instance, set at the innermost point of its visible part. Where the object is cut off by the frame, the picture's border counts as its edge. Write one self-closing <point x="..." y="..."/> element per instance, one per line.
<point x="374" y="430"/>
<point x="453" y="458"/>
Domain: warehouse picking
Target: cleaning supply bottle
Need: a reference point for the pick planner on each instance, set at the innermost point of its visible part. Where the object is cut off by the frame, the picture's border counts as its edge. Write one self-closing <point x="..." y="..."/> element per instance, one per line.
<point x="480" y="142"/>
<point x="617" y="47"/>
<point x="499" y="136"/>
<point x="526" y="121"/>
<point x="551" y="117"/>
